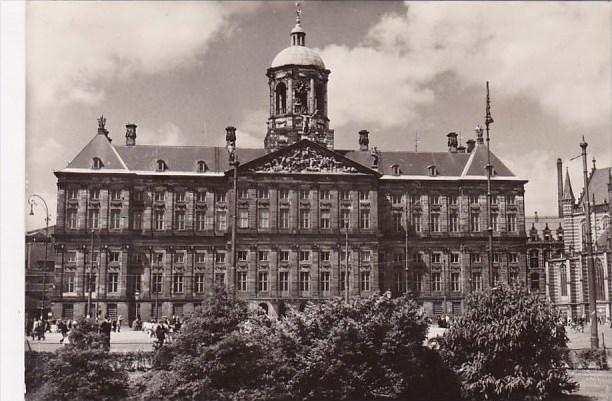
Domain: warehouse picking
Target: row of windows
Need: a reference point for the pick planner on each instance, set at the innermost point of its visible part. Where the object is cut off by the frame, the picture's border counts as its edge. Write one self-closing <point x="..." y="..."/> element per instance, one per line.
<point x="453" y="222"/>
<point x="455" y="281"/>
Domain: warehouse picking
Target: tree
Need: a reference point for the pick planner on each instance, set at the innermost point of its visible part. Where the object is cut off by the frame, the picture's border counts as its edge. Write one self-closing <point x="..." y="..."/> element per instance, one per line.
<point x="369" y="349"/>
<point x="508" y="345"/>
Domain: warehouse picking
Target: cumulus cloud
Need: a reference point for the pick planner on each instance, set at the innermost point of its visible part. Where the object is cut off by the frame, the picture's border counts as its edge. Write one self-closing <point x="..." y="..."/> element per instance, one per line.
<point x="168" y="134"/>
<point x="72" y="47"/>
<point x="251" y="131"/>
<point x="558" y="54"/>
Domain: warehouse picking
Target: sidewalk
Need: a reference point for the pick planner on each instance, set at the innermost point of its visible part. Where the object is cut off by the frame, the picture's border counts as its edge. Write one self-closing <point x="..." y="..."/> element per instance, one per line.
<point x="125" y="341"/>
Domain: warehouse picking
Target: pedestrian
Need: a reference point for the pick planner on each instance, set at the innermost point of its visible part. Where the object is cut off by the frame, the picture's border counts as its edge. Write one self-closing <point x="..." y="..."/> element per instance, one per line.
<point x="160" y="333"/>
<point x="63" y="329"/>
<point x="114" y="325"/>
<point x="35" y="329"/>
<point x="105" y="330"/>
<point x="119" y="320"/>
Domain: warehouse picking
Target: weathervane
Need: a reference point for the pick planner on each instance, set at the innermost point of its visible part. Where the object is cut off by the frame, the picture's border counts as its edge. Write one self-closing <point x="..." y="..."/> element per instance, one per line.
<point x="298" y="12"/>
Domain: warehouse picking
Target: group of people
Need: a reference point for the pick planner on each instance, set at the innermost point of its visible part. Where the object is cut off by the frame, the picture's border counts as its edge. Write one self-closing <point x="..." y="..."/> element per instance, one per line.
<point x="444" y="322"/>
<point x="165" y="330"/>
<point x="37" y="328"/>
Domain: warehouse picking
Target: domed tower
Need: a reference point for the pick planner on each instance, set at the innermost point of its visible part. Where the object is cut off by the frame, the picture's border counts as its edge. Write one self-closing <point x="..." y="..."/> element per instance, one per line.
<point x="298" y="95"/>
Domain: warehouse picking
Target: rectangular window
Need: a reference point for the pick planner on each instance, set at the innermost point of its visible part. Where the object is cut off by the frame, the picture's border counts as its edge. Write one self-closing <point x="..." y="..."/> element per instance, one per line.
<point x="455" y="282"/>
<point x="156" y="283"/>
<point x="73" y="193"/>
<point x="180" y="220"/>
<point x="177" y="310"/>
<point x="219" y="197"/>
<point x="399" y="281"/>
<point x="263" y="218"/>
<point x="325" y="219"/>
<point x="138" y="195"/>
<point x="160" y="196"/>
<point x="221" y="220"/>
<point x="242" y="281"/>
<point x="304" y="256"/>
<point x="304" y="281"/>
<point x="513" y="258"/>
<point x="68" y="312"/>
<point x="435" y="222"/>
<point x="304" y="194"/>
<point x="284" y="256"/>
<point x="513" y="277"/>
<point x="396" y="199"/>
<point x="494" y="199"/>
<point x="179" y="257"/>
<point x="476" y="281"/>
<point x="200" y="220"/>
<point x="342" y="283"/>
<point x="137" y="220"/>
<point x="283" y="278"/>
<point x="263" y="193"/>
<point x="113" y="282"/>
<point x="494" y="221"/>
<point x="201" y="196"/>
<point x="209" y="222"/>
<point x="345" y="217"/>
<point x="242" y="256"/>
<point x="343" y="256"/>
<point x="454" y="257"/>
<point x="345" y="195"/>
<point x="90" y="282"/>
<point x="436" y="282"/>
<point x="364" y="219"/>
<point x="475" y="222"/>
<point x="324" y="283"/>
<point x="364" y="195"/>
<point x="325" y="194"/>
<point x="94" y="194"/>
<point x="115" y="219"/>
<point x="365" y="281"/>
<point x="72" y="219"/>
<point x="115" y="194"/>
<point x="415" y="199"/>
<point x="453" y="200"/>
<point x="262" y="256"/>
<point x="417" y="222"/>
<point x="159" y="220"/>
<point x="69" y="281"/>
<point x="434" y="199"/>
<point x="511" y="199"/>
<point x="284" y="194"/>
<point x="436" y="257"/>
<point x="365" y="256"/>
<point x="512" y="223"/>
<point x="93" y="218"/>
<point x="418" y="281"/>
<point x="243" y="218"/>
<point x="397" y="221"/>
<point x="159" y="258"/>
<point x="474" y="199"/>
<point x="243" y="193"/>
<point x="114" y="256"/>
<point x="284" y="218"/>
<point x="475" y="257"/>
<point x="454" y="223"/>
<point x="200" y="258"/>
<point x="418" y="257"/>
<point x="262" y="282"/>
<point x="305" y="219"/>
<point x="220" y="257"/>
<point x="219" y="279"/>
<point x="496" y="258"/>
<point x="325" y="256"/>
<point x="177" y="283"/>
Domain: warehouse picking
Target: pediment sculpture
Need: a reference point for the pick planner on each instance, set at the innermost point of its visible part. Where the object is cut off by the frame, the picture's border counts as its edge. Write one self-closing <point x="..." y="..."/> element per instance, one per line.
<point x="304" y="160"/>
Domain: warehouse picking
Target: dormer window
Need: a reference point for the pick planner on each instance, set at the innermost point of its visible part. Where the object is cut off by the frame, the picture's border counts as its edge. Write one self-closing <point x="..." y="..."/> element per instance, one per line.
<point x="97" y="163"/>
<point x="161" y="165"/>
<point x="202" y="166"/>
<point x="395" y="170"/>
<point x="433" y="170"/>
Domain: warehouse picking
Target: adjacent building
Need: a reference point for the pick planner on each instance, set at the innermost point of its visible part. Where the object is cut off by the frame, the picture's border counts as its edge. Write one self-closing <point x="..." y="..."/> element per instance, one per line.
<point x="149" y="230"/>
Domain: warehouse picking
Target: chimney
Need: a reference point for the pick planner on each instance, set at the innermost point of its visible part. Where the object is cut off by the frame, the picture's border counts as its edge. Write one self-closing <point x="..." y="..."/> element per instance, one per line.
<point x="130" y="134"/>
<point x="452" y="142"/>
<point x="594" y="165"/>
<point x="364" y="141"/>
<point x="230" y="142"/>
<point x="560" y="186"/>
<point x="461" y="149"/>
<point x="470" y="145"/>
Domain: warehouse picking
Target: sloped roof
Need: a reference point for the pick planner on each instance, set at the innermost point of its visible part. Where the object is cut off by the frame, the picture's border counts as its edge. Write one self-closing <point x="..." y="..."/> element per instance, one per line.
<point x="478" y="163"/>
<point x="598" y="186"/>
<point x="100" y="147"/>
<point x="568" y="193"/>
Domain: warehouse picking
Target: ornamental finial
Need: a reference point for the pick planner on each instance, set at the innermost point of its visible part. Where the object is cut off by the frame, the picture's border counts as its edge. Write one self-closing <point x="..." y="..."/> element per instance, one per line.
<point x="101" y="122"/>
<point x="298" y="12"/>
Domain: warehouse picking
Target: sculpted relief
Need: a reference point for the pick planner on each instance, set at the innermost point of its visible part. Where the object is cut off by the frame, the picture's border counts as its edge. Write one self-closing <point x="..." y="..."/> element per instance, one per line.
<point x="305" y="160"/>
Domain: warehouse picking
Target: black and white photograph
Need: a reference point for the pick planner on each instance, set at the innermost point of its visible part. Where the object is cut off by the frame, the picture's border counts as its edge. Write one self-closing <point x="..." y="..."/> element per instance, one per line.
<point x="314" y="200"/>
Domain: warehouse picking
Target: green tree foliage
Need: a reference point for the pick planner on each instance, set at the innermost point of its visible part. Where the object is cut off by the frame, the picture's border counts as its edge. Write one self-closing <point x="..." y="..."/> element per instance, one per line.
<point x="508" y="346"/>
<point x="369" y="349"/>
<point x="83" y="369"/>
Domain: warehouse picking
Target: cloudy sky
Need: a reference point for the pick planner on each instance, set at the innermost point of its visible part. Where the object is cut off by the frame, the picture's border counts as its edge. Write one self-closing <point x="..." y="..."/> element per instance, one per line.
<point x="183" y="71"/>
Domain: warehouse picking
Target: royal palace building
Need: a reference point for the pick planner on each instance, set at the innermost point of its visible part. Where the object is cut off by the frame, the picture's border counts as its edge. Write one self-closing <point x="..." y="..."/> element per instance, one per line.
<point x="150" y="230"/>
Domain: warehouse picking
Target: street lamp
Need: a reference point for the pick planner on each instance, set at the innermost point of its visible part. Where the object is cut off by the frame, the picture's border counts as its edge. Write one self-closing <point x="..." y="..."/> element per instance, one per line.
<point x="137" y="299"/>
<point x="230" y="139"/>
<point x="32" y="203"/>
<point x="89" y="277"/>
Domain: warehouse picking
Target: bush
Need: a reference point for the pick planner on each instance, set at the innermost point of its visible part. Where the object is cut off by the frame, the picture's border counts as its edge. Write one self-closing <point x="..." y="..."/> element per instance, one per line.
<point x="369" y="349"/>
<point x="508" y="346"/>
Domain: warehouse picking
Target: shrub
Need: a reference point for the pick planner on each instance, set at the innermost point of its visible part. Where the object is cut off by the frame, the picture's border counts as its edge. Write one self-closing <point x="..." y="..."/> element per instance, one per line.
<point x="508" y="345"/>
<point x="369" y="349"/>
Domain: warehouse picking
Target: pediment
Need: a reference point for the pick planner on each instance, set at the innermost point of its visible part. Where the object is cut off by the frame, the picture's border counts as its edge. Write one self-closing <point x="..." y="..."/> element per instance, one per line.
<point x="305" y="157"/>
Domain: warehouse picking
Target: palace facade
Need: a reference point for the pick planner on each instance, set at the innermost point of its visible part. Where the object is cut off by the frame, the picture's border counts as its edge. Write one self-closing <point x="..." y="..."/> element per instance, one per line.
<point x="148" y="230"/>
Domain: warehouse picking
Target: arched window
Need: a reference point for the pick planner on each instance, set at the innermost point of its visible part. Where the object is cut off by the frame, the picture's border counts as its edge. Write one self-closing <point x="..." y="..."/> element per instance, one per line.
<point x="563" y="279"/>
<point x="534" y="258"/>
<point x="161" y="165"/>
<point x="395" y="170"/>
<point x="433" y="170"/>
<point x="202" y="166"/>
<point x="97" y="163"/>
<point x="534" y="278"/>
<point x="600" y="291"/>
<point x="320" y="98"/>
<point x="281" y="98"/>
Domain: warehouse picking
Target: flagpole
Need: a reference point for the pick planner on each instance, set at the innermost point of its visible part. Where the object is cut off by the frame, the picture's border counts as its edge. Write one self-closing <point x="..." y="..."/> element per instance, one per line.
<point x="488" y="121"/>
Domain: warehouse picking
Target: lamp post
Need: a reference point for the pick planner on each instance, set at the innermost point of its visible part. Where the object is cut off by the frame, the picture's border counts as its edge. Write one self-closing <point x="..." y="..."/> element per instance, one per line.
<point x="89" y="283"/>
<point x="44" y="283"/>
<point x="137" y="299"/>
<point x="589" y="250"/>
<point x="346" y="257"/>
<point x="230" y="138"/>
